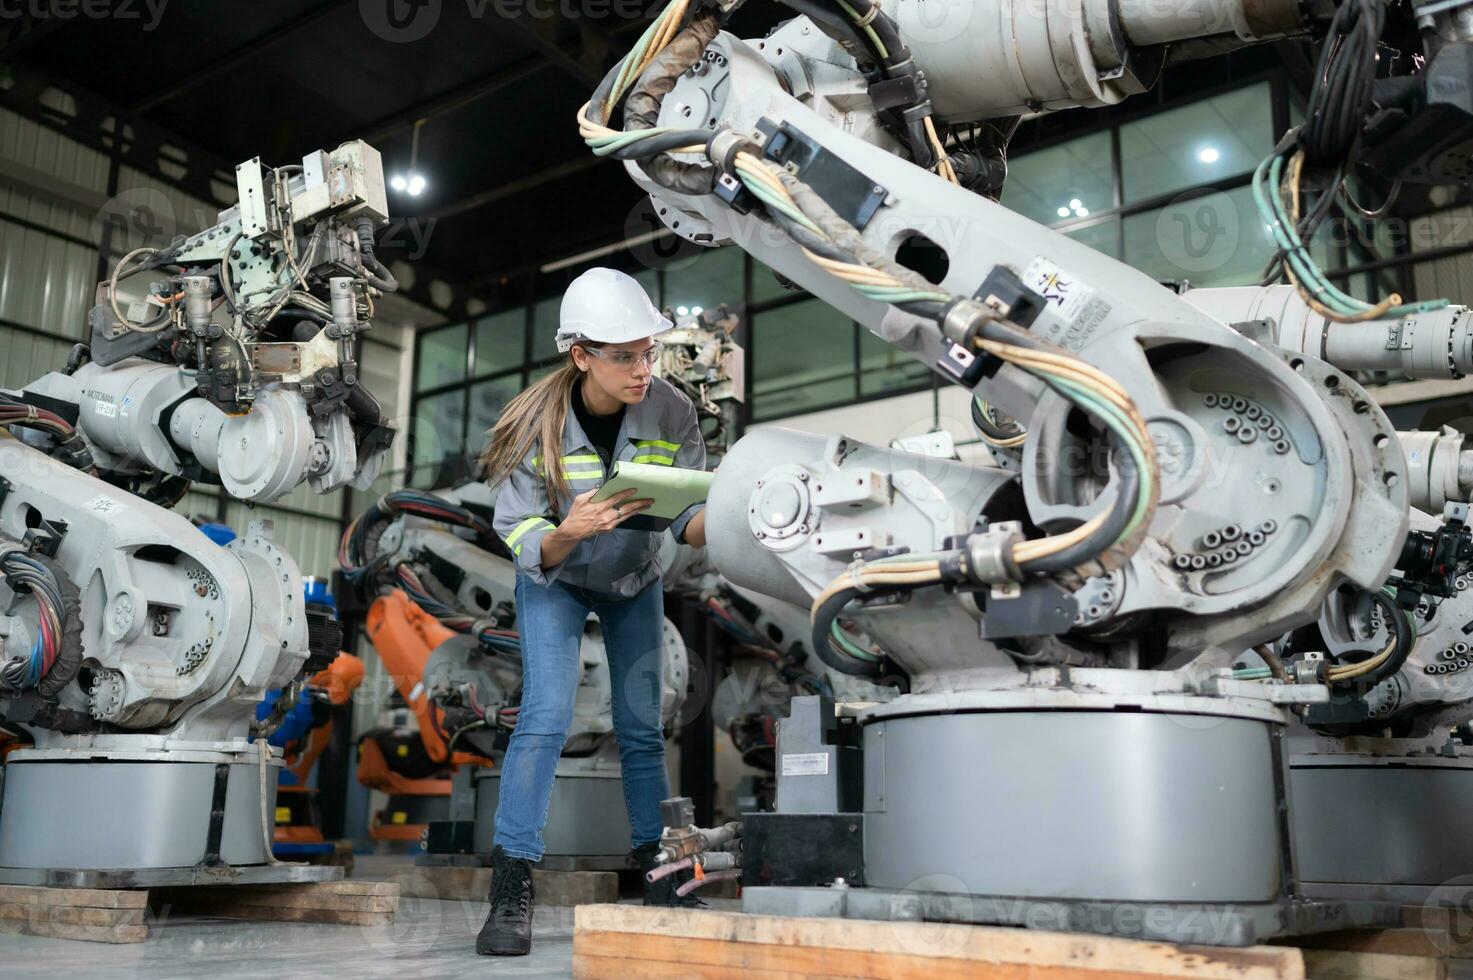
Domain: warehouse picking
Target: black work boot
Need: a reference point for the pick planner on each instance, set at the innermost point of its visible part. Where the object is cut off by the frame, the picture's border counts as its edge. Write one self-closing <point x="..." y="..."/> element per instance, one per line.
<point x="508" y="929"/>
<point x="662" y="892"/>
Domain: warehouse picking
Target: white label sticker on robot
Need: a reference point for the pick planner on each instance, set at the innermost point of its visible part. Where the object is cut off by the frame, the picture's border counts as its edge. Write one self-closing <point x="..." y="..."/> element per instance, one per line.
<point x="1078" y="306"/>
<point x="806" y="764"/>
<point x="103" y="505"/>
<point x="106" y="408"/>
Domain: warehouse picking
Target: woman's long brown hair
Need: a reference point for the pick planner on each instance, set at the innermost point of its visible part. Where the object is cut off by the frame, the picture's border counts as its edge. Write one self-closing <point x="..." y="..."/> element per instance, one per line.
<point x="537" y="415"/>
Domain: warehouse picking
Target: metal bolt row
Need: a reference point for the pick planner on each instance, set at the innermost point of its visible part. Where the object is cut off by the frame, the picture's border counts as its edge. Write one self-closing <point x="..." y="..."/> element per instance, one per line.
<point x="1225" y="546"/>
<point x="1452" y="660"/>
<point x="1247" y="421"/>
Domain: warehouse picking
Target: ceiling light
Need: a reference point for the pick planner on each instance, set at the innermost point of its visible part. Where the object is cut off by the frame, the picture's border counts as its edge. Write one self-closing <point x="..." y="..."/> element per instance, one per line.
<point x="682" y="311"/>
<point x="1063" y="212"/>
<point x="1208" y="154"/>
<point x="399" y="183"/>
<point x="416" y="185"/>
<point x="1076" y="203"/>
<point x="1081" y="212"/>
<point x="696" y="310"/>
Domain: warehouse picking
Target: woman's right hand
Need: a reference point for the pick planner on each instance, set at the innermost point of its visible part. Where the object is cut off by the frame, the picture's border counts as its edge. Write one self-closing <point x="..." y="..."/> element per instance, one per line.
<point x="589" y="517"/>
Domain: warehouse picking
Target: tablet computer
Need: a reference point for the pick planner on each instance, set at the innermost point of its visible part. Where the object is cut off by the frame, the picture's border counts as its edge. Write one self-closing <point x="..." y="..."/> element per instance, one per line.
<point x="672" y="488"/>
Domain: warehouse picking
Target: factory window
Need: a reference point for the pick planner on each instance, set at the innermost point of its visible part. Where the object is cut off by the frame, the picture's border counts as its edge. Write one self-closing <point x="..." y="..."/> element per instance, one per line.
<point x="803" y="358"/>
<point x="1202" y="143"/>
<point x="705" y="280"/>
<point x="1102" y="236"/>
<point x="487" y="399"/>
<point x="1067" y="181"/>
<point x="544" y="328"/>
<point x="442" y="357"/>
<point x="501" y="342"/>
<point x="884" y="368"/>
<point x="1216" y="239"/>
<point x="439" y="434"/>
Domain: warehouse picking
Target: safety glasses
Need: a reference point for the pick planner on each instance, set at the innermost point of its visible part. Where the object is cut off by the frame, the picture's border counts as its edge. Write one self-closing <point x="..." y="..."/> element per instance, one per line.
<point x="626" y="359"/>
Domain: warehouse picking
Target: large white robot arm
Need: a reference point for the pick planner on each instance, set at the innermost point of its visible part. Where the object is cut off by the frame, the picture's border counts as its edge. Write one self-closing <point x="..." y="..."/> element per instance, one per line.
<point x="230" y="356"/>
<point x="1248" y="471"/>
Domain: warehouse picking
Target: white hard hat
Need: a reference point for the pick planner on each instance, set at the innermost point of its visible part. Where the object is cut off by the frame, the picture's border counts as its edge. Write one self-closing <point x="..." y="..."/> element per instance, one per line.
<point x="607" y="307"/>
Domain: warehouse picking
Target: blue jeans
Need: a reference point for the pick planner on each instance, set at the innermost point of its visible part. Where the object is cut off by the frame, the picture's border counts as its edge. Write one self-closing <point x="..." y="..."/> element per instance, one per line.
<point x="551" y="619"/>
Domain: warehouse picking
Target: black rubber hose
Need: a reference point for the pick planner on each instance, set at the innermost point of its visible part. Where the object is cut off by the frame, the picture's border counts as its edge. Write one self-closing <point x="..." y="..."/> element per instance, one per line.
<point x="1401" y="630"/>
<point x="1103" y="537"/>
<point x="655" y="145"/>
<point x="377" y="275"/>
<point x="823" y="621"/>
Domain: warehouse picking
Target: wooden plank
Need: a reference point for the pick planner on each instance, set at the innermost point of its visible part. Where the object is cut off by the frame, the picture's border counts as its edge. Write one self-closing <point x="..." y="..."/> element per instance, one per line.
<point x="553" y="887"/>
<point x="68" y="915"/>
<point x="331" y="916"/>
<point x="102" y="898"/>
<point x="621" y="941"/>
<point x="1344" y="965"/>
<point x="57" y="930"/>
<point x="623" y="955"/>
<point x="1454" y="925"/>
<point x="1432" y="943"/>
<point x="334" y="903"/>
<point x="377" y="888"/>
<point x="186" y="899"/>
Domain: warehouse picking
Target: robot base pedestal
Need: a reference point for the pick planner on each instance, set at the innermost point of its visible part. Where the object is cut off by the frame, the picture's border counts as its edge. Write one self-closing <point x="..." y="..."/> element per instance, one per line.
<point x="1160" y="821"/>
<point x="587" y="822"/>
<point x="1383" y="827"/>
<point x="95" y="822"/>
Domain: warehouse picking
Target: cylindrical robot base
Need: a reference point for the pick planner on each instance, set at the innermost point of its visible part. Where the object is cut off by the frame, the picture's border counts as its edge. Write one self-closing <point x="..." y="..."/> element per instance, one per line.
<point x="117" y="815"/>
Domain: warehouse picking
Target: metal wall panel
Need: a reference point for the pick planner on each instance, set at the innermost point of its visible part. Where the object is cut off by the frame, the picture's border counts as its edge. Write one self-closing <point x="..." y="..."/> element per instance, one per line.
<point x="30" y="145"/>
<point x="45" y="282"/>
<point x="175" y="212"/>
<point x="25" y="357"/>
<point x="33" y="145"/>
<point x="199" y="501"/>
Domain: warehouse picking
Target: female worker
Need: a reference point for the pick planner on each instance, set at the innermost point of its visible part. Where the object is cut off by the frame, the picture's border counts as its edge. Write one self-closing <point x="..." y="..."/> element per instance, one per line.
<point x="549" y="452"/>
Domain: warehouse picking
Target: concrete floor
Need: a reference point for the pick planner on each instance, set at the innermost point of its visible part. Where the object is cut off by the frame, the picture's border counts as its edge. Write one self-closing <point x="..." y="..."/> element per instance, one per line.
<point x="429" y="939"/>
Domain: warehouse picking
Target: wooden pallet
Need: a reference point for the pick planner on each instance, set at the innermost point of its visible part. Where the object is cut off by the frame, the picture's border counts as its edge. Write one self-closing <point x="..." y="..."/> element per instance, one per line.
<point x="123" y="915"/>
<point x="471" y="884"/>
<point x="637" y="943"/>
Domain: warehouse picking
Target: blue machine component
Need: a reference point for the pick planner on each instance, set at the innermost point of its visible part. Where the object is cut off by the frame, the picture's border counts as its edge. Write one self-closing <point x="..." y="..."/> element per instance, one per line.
<point x="304" y="715"/>
<point x="316" y="592"/>
<point x="221" y="534"/>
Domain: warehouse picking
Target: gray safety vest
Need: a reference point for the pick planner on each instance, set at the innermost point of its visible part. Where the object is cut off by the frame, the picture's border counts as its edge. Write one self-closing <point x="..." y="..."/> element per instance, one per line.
<point x="662" y="429"/>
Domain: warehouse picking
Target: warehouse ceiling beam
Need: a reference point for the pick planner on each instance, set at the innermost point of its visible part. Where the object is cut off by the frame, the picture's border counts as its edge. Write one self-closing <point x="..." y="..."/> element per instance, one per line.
<point x="19" y="34"/>
<point x="192" y="79"/>
<point x="91" y="119"/>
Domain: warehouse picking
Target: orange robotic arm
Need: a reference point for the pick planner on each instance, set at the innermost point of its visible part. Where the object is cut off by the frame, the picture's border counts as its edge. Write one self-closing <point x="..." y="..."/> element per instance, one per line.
<point x="340" y="679"/>
<point x="404" y="636"/>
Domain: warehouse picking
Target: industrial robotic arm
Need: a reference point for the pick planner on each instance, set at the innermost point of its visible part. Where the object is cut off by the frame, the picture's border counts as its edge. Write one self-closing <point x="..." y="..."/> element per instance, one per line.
<point x="1194" y="473"/>
<point x="230" y="356"/>
<point x="128" y="639"/>
<point x="1228" y="473"/>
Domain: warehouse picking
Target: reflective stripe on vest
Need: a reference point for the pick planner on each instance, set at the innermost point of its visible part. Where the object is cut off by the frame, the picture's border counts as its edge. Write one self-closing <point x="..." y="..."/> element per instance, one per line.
<point x="529" y="524"/>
